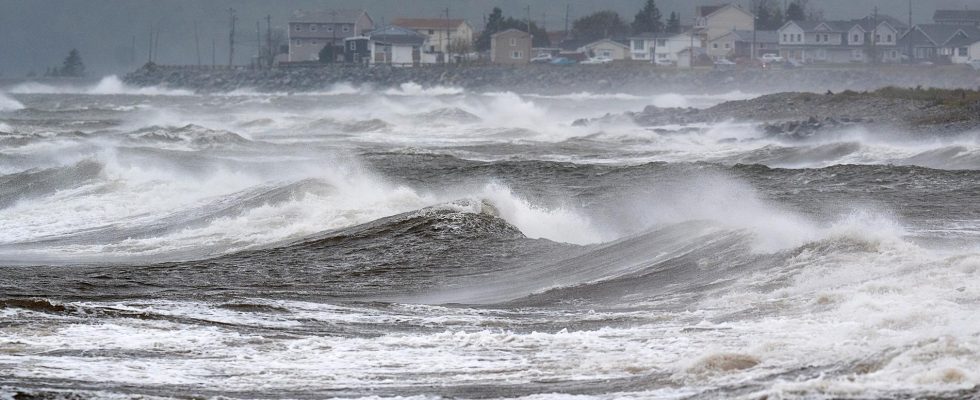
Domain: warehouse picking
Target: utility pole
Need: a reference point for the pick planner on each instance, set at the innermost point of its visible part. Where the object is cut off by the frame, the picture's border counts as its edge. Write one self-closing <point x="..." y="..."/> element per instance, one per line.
<point x="690" y="50"/>
<point x="874" y="37"/>
<point x="197" y="44"/>
<point x="231" y="36"/>
<point x="149" y="49"/>
<point x="268" y="38"/>
<point x="528" y="9"/>
<point x="156" y="44"/>
<point x="214" y="53"/>
<point x="258" y="45"/>
<point x="448" y="43"/>
<point x="132" y="52"/>
<point x="908" y="33"/>
<point x="568" y="11"/>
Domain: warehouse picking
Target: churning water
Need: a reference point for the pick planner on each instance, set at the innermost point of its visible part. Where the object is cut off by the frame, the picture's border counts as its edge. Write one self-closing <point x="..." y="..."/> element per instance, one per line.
<point x="435" y="242"/>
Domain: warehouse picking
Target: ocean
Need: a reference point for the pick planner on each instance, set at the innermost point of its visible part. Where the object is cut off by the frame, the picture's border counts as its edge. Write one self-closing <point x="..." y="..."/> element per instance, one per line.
<point x="433" y="242"/>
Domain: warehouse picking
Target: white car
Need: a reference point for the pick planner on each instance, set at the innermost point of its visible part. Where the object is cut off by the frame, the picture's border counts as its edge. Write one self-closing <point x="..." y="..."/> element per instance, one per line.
<point x="597" y="60"/>
<point x="771" y="58"/>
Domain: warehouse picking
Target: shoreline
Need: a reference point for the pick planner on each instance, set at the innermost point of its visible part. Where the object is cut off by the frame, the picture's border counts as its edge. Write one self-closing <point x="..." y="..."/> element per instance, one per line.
<point x="547" y="79"/>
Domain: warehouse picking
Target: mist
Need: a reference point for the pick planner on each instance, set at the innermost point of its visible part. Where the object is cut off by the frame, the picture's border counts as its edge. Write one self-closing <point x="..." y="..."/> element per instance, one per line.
<point x="37" y="34"/>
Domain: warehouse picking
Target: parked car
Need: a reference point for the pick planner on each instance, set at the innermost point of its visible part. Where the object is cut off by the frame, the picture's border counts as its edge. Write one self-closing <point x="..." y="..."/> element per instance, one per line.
<point x="597" y="60"/>
<point x="664" y="63"/>
<point x="562" y="61"/>
<point x="542" y="58"/>
<point x="975" y="64"/>
<point x="724" y="64"/>
<point x="771" y="58"/>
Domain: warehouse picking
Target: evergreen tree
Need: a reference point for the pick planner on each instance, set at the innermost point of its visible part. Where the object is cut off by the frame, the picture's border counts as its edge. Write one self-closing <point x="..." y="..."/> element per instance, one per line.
<point x="600" y="25"/>
<point x="648" y="19"/>
<point x="673" y="23"/>
<point x="795" y="12"/>
<point x="326" y="54"/>
<point x="495" y="23"/>
<point x="777" y="18"/>
<point x="73" y="65"/>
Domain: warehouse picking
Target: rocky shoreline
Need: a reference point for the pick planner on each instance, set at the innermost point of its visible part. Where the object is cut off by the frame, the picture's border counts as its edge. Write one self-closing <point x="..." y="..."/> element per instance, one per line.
<point x="795" y="115"/>
<point x="622" y="78"/>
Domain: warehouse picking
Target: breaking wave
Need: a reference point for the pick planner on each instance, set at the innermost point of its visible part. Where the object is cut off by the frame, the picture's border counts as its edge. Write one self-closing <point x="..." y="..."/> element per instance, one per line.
<point x="9" y="104"/>
<point x="110" y="85"/>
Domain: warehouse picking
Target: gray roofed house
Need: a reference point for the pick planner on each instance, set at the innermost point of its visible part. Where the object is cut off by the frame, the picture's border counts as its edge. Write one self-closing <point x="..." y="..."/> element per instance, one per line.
<point x="738" y="44"/>
<point x="957" y="17"/>
<point x="396" y="45"/>
<point x="941" y="41"/>
<point x="312" y="31"/>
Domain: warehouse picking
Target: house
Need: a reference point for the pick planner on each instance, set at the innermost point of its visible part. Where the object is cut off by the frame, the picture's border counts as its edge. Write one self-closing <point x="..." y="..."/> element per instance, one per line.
<point x="872" y="39"/>
<point x="311" y="31"/>
<point x="816" y="42"/>
<point x="613" y="49"/>
<point x="664" y="46"/>
<point x="713" y="22"/>
<point x="357" y="50"/>
<point x="444" y="37"/>
<point x="510" y="47"/>
<point x="739" y="44"/>
<point x="877" y="39"/>
<point x="396" y="45"/>
<point x="700" y="57"/>
<point x="973" y="52"/>
<point x="957" y="17"/>
<point x="941" y="42"/>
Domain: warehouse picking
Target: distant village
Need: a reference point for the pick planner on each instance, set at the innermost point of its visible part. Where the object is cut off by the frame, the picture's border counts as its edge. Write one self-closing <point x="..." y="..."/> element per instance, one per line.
<point x="723" y="35"/>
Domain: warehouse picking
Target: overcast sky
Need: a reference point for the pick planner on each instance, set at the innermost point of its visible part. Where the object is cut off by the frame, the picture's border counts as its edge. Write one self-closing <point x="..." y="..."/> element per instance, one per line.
<point x="35" y="34"/>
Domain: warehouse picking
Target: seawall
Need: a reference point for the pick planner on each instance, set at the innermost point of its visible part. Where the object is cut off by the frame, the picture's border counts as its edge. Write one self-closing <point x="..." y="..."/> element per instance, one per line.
<point x="626" y="78"/>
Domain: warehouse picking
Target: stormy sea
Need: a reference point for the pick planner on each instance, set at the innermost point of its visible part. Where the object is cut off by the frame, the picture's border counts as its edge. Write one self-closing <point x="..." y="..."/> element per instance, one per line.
<point x="433" y="242"/>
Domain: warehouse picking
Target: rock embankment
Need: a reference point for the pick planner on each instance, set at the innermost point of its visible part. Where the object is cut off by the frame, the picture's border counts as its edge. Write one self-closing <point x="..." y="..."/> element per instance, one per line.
<point x="625" y="78"/>
<point x="800" y="115"/>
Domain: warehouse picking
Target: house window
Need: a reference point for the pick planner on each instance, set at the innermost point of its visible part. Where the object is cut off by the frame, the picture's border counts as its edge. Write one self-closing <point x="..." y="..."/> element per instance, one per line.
<point x="889" y="38"/>
<point x="826" y="38"/>
<point x="517" y="55"/>
<point x="432" y="31"/>
<point x="329" y="29"/>
<point x="662" y="42"/>
<point x="299" y="28"/>
<point x="799" y="37"/>
<point x="877" y="38"/>
<point x="714" y="45"/>
<point x="894" y="54"/>
<point x="855" y="39"/>
<point x="638" y="45"/>
<point x="513" y="42"/>
<point x="312" y="28"/>
<point x="963" y="51"/>
<point x="607" y="53"/>
<point x="353" y="45"/>
<point x="728" y="45"/>
<point x="784" y="38"/>
<point x="346" y="29"/>
<point x="298" y="42"/>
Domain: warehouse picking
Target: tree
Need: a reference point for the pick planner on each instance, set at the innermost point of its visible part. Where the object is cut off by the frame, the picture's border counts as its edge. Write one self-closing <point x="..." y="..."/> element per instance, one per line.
<point x="600" y="25"/>
<point x="795" y="11"/>
<point x="673" y="23"/>
<point x="495" y="23"/>
<point x="769" y="16"/>
<point x="326" y="54"/>
<point x="648" y="19"/>
<point x="73" y="65"/>
<point x="777" y="18"/>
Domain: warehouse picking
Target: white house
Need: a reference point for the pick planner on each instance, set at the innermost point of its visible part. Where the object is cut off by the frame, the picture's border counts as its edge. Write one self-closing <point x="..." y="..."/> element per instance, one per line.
<point x="606" y="48"/>
<point x="443" y="36"/>
<point x="941" y="41"/>
<point x="664" y="46"/>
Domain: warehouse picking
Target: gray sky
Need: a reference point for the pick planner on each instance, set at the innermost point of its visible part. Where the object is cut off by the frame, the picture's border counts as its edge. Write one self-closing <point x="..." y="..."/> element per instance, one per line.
<point x="35" y="34"/>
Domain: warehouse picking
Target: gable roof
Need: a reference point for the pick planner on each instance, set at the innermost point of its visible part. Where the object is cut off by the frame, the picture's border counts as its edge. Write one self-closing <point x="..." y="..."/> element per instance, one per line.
<point x="510" y="31"/>
<point x="428" y="23"/>
<point x="618" y="43"/>
<point x="652" y="35"/>
<point x="328" y="16"/>
<point x="707" y="11"/>
<point x="397" y="35"/>
<point x="944" y="35"/>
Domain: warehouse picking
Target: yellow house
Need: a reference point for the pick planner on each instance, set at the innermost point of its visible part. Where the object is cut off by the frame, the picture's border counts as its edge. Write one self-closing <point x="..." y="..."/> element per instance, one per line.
<point x="442" y="35"/>
<point x="714" y="22"/>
